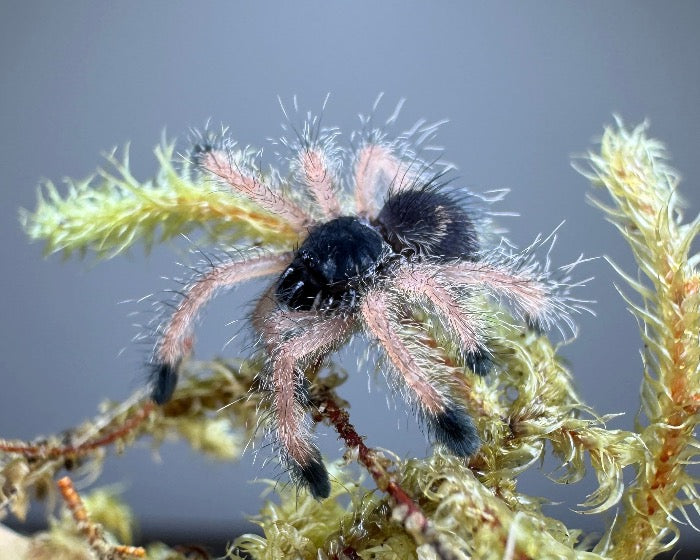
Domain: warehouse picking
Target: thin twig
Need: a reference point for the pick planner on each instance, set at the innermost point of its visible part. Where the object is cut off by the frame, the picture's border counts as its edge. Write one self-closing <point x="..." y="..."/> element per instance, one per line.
<point x="406" y="511"/>
<point x="91" y="531"/>
<point x="47" y="451"/>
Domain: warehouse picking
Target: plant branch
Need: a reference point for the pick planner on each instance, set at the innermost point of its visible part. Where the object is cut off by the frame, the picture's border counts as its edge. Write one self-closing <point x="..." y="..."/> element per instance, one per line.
<point x="405" y="511"/>
<point x="92" y="532"/>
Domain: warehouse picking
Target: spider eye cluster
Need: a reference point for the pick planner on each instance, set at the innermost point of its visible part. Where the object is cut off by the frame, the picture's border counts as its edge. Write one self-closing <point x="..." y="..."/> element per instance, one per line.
<point x="330" y="266"/>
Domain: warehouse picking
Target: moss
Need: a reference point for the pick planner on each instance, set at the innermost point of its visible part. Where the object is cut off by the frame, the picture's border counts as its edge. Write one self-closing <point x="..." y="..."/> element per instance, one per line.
<point x="455" y="509"/>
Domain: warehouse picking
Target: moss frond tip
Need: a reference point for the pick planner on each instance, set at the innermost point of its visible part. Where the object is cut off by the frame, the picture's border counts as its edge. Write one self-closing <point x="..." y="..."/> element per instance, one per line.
<point x="111" y="211"/>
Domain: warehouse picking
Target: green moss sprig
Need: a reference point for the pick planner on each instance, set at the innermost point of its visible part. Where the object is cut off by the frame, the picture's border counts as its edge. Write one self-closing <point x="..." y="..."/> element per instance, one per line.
<point x="111" y="211"/>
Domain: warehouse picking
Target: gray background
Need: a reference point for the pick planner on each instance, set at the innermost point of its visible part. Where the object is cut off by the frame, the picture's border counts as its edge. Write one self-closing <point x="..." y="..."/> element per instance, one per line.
<point x="525" y="86"/>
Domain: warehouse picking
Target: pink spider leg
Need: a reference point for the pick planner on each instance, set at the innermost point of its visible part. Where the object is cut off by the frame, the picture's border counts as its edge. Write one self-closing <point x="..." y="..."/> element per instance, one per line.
<point x="374" y="163"/>
<point x="422" y="281"/>
<point x="176" y="338"/>
<point x="272" y="321"/>
<point x="530" y="296"/>
<point x="445" y="415"/>
<point x="293" y="338"/>
<point x="221" y="164"/>
<point x="318" y="177"/>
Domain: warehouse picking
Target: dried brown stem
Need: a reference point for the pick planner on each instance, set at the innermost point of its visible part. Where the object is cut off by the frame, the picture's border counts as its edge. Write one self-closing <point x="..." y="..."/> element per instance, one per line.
<point x="48" y="451"/>
<point x="91" y="531"/>
<point x="406" y="511"/>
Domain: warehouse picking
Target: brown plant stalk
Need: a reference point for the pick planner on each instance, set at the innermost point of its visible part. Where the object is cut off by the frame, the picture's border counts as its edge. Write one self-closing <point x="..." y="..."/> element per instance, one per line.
<point x="46" y="450"/>
<point x="91" y="531"/>
<point x="406" y="511"/>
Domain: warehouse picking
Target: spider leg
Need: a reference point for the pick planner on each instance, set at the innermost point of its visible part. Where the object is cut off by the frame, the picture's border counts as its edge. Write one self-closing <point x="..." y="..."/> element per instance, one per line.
<point x="531" y="297"/>
<point x="445" y="416"/>
<point x="374" y="162"/>
<point x="319" y="179"/>
<point x="423" y="281"/>
<point x="311" y="336"/>
<point x="176" y="336"/>
<point x="221" y="164"/>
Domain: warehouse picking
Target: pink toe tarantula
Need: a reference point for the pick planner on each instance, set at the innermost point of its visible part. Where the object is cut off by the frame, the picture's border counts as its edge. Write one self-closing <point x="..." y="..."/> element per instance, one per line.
<point x="390" y="234"/>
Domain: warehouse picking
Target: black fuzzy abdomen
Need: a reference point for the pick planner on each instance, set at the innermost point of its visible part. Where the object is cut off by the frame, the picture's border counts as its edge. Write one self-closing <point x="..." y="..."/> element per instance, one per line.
<point x="329" y="266"/>
<point x="430" y="223"/>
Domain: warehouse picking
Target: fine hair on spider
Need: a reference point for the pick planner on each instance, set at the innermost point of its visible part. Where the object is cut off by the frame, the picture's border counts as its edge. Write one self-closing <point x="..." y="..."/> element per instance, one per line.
<point x="379" y="230"/>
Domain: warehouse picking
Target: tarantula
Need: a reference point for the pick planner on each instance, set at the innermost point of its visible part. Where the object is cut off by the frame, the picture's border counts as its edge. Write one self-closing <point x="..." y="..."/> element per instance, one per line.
<point x="359" y="266"/>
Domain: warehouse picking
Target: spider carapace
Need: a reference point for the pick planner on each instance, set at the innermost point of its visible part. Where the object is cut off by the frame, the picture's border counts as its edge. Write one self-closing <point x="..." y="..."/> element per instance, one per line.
<point x="361" y="267"/>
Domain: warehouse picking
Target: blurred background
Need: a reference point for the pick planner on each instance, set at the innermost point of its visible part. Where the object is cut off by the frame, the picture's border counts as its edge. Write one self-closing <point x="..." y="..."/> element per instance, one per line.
<point x="525" y="86"/>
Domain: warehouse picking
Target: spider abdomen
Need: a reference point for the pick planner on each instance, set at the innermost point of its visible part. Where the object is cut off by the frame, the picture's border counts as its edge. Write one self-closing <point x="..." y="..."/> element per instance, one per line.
<point x="330" y="265"/>
<point x="428" y="222"/>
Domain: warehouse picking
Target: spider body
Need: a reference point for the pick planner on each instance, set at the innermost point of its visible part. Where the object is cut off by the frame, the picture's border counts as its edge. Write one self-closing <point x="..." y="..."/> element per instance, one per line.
<point x="359" y="267"/>
<point x="331" y="265"/>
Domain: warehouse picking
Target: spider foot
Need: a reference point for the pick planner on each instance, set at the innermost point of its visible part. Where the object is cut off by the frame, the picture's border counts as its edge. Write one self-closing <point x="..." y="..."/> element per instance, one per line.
<point x="453" y="428"/>
<point x="479" y="361"/>
<point x="163" y="380"/>
<point x="313" y="474"/>
<point x="535" y="324"/>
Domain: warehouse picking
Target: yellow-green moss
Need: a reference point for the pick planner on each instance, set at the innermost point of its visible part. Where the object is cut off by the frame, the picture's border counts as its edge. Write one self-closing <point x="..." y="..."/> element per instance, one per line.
<point x="476" y="508"/>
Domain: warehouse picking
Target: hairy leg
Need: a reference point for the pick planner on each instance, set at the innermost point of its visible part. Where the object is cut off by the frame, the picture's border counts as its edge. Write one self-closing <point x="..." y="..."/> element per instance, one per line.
<point x="445" y="416"/>
<point x="221" y="164"/>
<point x="531" y="296"/>
<point x="176" y="335"/>
<point x="318" y="177"/>
<point x="373" y="163"/>
<point x="292" y="338"/>
<point x="423" y="282"/>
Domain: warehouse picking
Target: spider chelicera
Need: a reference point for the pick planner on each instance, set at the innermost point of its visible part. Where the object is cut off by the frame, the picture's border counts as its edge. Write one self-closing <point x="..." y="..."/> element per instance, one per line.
<point x="359" y="266"/>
